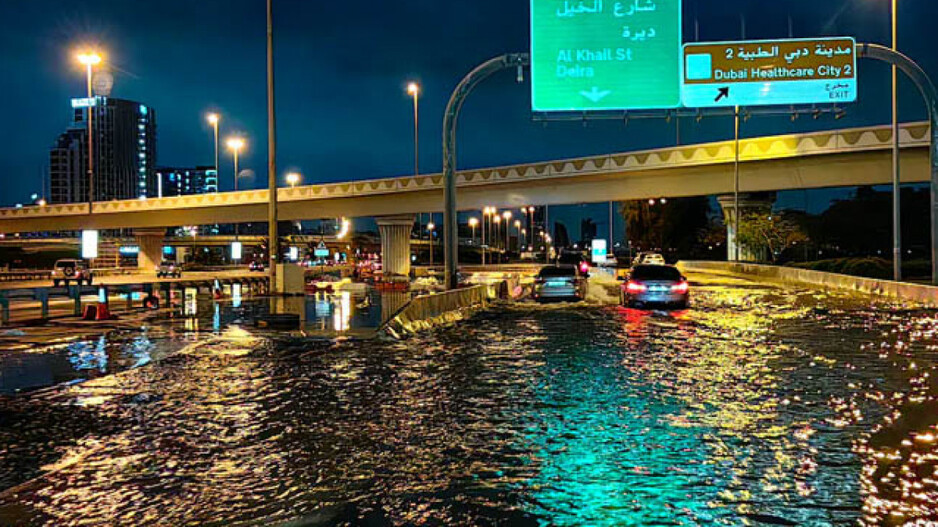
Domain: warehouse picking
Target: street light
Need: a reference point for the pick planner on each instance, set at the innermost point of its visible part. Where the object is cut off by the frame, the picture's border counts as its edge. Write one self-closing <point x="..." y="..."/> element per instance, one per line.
<point x="293" y="178"/>
<point x="896" y="184"/>
<point x="518" y="231"/>
<point x="507" y="216"/>
<point x="486" y="213"/>
<point x="413" y="89"/>
<point x="430" y="227"/>
<point x="90" y="60"/>
<point x="213" y="119"/>
<point x="473" y="223"/>
<point x="496" y="237"/>
<point x="235" y="144"/>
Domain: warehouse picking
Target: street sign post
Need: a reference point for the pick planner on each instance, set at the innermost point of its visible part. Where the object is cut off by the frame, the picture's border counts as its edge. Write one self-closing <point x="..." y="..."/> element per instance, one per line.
<point x="321" y="251"/>
<point x="770" y="72"/>
<point x="605" y="55"/>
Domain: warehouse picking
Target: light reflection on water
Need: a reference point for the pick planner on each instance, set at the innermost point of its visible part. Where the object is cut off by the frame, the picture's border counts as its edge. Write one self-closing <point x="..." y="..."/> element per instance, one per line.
<point x="754" y="407"/>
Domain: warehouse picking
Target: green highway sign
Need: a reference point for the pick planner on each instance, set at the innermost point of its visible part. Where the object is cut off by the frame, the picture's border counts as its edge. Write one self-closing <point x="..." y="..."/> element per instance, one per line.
<point x="605" y="55"/>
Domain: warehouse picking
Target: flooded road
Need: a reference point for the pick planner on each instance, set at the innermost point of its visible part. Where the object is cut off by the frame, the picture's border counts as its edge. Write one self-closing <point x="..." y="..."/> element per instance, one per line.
<point x="758" y="406"/>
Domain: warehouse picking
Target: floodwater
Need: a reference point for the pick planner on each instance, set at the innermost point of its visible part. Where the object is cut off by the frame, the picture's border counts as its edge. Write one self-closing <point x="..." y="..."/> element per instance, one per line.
<point x="73" y="356"/>
<point x="756" y="407"/>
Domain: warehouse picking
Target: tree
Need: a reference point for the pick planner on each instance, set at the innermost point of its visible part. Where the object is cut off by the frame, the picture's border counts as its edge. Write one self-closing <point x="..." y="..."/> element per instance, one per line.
<point x="673" y="226"/>
<point x="768" y="234"/>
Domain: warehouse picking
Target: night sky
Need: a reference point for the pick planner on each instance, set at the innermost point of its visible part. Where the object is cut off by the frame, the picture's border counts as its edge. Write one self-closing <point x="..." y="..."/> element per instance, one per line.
<point x="342" y="69"/>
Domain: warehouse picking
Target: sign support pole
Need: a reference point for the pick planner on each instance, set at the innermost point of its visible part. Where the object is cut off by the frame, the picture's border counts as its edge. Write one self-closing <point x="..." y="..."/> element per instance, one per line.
<point x="927" y="88"/>
<point x="736" y="187"/>
<point x="450" y="121"/>
<point x="273" y="245"/>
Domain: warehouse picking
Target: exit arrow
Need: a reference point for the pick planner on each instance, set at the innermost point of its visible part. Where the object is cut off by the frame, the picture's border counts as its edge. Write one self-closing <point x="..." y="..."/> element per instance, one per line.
<point x="724" y="94"/>
<point x="595" y="95"/>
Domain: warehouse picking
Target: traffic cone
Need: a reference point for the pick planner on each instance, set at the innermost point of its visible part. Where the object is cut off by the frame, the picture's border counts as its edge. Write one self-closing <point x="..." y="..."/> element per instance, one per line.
<point x="91" y="313"/>
<point x="103" y="312"/>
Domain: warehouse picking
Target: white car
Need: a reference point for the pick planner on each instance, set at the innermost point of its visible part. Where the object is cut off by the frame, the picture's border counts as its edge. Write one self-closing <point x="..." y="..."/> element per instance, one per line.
<point x="69" y="270"/>
<point x="649" y="259"/>
<point x="168" y="269"/>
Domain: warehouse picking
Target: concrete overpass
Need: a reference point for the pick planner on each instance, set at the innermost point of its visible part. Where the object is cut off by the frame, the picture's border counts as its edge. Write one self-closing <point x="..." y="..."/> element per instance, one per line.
<point x="837" y="158"/>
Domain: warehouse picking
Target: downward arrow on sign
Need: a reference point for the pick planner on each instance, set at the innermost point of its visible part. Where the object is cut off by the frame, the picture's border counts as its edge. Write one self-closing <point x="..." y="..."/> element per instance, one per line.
<point x="595" y="94"/>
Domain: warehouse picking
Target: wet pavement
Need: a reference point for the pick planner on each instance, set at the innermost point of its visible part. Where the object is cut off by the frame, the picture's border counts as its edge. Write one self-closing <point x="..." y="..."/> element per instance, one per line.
<point x="758" y="406"/>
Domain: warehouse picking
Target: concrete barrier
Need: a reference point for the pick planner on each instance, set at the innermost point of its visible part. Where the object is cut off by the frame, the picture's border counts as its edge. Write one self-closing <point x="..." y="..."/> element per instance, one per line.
<point x="919" y="294"/>
<point x="427" y="311"/>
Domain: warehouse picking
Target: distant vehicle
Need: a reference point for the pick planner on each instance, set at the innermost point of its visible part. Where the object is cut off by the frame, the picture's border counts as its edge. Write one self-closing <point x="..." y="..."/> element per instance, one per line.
<point x="562" y="282"/>
<point x="623" y="268"/>
<point x="655" y="284"/>
<point x="168" y="269"/>
<point x="649" y="259"/>
<point x="68" y="270"/>
<point x="256" y="266"/>
<point x="575" y="258"/>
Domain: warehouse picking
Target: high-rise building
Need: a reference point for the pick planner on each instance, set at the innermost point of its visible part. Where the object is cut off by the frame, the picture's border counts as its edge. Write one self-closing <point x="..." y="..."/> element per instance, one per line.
<point x="186" y="181"/>
<point x="124" y="152"/>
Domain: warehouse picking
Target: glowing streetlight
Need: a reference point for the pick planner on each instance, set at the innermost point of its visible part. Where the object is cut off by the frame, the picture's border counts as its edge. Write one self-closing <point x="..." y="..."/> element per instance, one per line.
<point x="413" y="89"/>
<point x="214" y="119"/>
<point x="235" y="144"/>
<point x="293" y="178"/>
<point x="89" y="60"/>
<point x="473" y="223"/>
<point x="430" y="227"/>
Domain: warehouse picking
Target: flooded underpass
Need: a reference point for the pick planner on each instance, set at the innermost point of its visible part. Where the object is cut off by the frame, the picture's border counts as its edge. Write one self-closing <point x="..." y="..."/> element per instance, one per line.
<point x="758" y="406"/>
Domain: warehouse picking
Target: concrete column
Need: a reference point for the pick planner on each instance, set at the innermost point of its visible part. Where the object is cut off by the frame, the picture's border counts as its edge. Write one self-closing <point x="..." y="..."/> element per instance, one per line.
<point x="150" y="242"/>
<point x="395" y="243"/>
<point x="748" y="203"/>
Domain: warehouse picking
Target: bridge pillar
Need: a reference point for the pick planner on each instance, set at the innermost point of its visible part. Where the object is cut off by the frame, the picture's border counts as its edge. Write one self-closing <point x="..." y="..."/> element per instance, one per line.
<point x="150" y="242"/>
<point x="395" y="243"/>
<point x="748" y="203"/>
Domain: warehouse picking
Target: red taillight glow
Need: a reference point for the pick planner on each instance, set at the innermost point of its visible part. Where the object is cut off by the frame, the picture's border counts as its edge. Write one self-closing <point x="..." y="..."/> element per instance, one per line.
<point x="635" y="287"/>
<point x="682" y="287"/>
<point x="584" y="267"/>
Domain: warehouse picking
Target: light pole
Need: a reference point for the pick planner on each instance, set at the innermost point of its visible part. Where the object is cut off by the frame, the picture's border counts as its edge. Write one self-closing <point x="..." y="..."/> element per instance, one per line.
<point x="518" y="231"/>
<point x="293" y="178"/>
<point x="430" y="227"/>
<point x="413" y="89"/>
<point x="473" y="223"/>
<point x="213" y="119"/>
<point x="896" y="183"/>
<point x="235" y="144"/>
<point x="90" y="60"/>
<point x="507" y="216"/>
<point x="486" y="212"/>
<point x="496" y="237"/>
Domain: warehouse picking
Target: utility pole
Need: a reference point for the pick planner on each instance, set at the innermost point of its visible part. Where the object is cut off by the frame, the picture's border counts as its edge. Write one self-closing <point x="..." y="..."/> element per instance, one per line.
<point x="274" y="243"/>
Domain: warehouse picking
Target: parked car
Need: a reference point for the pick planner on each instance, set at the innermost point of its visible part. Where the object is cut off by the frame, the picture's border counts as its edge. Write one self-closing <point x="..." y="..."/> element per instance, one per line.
<point x="256" y="266"/>
<point x="655" y="285"/>
<point x="69" y="270"/>
<point x="648" y="259"/>
<point x="168" y="269"/>
<point x="562" y="282"/>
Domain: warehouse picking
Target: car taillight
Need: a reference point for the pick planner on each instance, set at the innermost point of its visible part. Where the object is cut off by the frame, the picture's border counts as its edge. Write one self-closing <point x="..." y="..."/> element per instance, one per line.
<point x="584" y="267"/>
<point x="635" y="287"/>
<point x="682" y="287"/>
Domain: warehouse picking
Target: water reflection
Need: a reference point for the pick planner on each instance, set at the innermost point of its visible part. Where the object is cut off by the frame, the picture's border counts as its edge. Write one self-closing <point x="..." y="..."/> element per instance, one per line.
<point x="757" y="407"/>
